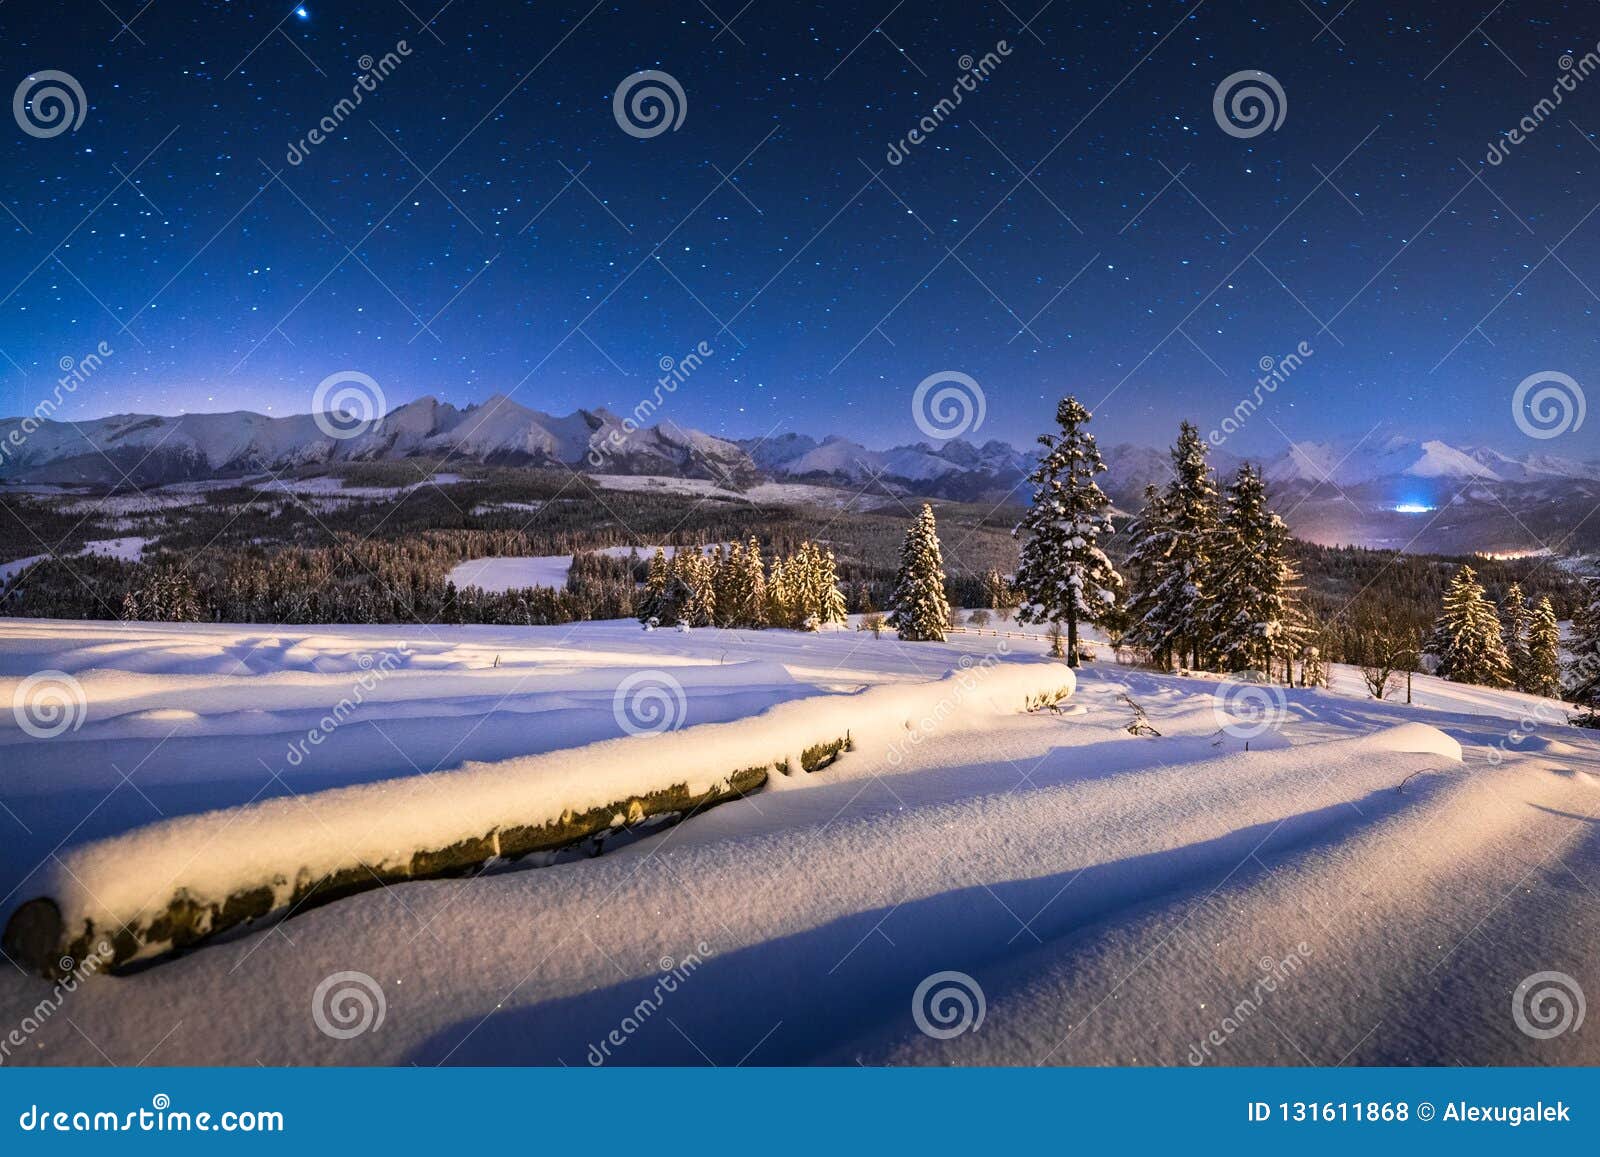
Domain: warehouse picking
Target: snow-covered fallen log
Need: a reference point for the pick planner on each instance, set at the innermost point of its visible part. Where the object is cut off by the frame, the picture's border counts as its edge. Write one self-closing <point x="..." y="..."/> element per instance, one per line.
<point x="179" y="882"/>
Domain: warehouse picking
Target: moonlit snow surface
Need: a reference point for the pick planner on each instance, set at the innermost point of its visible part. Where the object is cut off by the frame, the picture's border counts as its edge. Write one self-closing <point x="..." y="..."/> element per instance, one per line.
<point x="1117" y="899"/>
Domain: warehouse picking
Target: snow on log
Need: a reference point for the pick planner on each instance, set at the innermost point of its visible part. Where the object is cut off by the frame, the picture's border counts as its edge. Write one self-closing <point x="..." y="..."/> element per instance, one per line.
<point x="178" y="882"/>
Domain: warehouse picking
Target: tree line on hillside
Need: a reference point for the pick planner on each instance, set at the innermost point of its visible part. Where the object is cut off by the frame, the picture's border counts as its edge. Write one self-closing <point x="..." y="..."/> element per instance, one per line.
<point x="733" y="587"/>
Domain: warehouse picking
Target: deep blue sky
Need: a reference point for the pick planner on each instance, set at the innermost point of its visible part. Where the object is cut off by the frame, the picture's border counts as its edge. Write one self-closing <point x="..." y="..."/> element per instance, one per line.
<point x="232" y="294"/>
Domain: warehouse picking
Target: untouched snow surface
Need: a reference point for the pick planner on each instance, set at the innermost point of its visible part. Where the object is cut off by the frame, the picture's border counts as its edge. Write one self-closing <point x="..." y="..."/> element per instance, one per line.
<point x="1117" y="899"/>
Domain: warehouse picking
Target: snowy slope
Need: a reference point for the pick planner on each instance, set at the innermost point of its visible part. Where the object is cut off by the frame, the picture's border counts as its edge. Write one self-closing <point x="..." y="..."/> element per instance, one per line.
<point x="1117" y="899"/>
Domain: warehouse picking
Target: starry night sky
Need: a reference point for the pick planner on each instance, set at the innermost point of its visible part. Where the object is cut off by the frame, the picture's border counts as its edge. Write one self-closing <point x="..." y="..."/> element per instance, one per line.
<point x="1148" y="262"/>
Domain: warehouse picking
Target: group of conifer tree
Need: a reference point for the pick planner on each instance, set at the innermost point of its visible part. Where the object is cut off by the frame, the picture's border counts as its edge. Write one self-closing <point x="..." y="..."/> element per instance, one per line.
<point x="733" y="587"/>
<point x="1211" y="581"/>
<point x="1516" y="645"/>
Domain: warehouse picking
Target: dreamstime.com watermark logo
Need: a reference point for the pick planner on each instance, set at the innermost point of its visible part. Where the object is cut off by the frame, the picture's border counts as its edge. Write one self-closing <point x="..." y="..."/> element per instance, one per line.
<point x="948" y="404"/>
<point x="973" y="73"/>
<point x="673" y="973"/>
<point x="1547" y="404"/>
<point x="649" y="103"/>
<point x="373" y="73"/>
<point x="1249" y="706"/>
<point x="970" y="673"/>
<point x="1275" y="974"/>
<point x="160" y="1117"/>
<point x="347" y="1004"/>
<point x="74" y="372"/>
<point x="49" y="703"/>
<point x="374" y="670"/>
<point x="1249" y="103"/>
<point x="1275" y="371"/>
<point x="1548" y="1004"/>
<point x="348" y="404"/>
<point x="47" y="104"/>
<point x="947" y="1004"/>
<point x="1573" y="73"/>
<point x="674" y="372"/>
<point x="649" y="703"/>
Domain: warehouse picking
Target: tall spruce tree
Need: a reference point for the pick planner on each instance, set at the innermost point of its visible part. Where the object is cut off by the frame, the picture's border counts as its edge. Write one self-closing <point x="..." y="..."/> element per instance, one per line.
<point x="653" y="602"/>
<point x="920" y="610"/>
<point x="996" y="591"/>
<point x="1544" y="651"/>
<point x="729" y="574"/>
<point x="1466" y="637"/>
<point x="1147" y="558"/>
<point x="1516" y="625"/>
<point x="780" y="595"/>
<point x="833" y="610"/>
<point x="1253" y="615"/>
<point x="1174" y="610"/>
<point x="696" y="573"/>
<point x="1064" y="576"/>
<point x="754" y="585"/>
<point x="1583" y="671"/>
<point x="811" y="593"/>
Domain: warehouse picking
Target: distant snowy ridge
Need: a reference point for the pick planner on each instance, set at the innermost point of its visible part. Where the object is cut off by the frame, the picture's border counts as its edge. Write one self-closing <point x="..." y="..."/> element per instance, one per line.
<point x="498" y="431"/>
<point x="149" y="449"/>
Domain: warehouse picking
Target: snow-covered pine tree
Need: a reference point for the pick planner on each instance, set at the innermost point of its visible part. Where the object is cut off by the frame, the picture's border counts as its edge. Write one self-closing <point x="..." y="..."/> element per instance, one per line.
<point x="780" y="596"/>
<point x="1516" y="624"/>
<point x="166" y="595"/>
<point x="834" y="609"/>
<point x="1544" y="651"/>
<point x="1173" y="620"/>
<point x="1582" y="683"/>
<point x="806" y="573"/>
<point x="1146" y="565"/>
<point x="1064" y="576"/>
<point x="996" y="590"/>
<point x="652" y="603"/>
<point x="695" y="571"/>
<point x="729" y="571"/>
<point x="920" y="609"/>
<point x="1253" y="615"/>
<point x="1466" y="637"/>
<point x="183" y="597"/>
<point x="754" y="587"/>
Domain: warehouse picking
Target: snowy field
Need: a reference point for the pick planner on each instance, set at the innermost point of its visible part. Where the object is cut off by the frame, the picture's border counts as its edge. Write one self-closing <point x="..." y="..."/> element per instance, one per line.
<point x="1117" y="898"/>
<point x="500" y="573"/>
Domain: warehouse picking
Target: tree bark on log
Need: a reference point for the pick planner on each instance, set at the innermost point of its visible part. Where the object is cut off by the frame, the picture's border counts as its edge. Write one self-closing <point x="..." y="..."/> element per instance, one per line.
<point x="38" y="937"/>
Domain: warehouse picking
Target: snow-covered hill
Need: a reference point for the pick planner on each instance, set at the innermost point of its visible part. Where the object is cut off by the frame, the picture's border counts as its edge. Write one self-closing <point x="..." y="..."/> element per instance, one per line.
<point x="1367" y="883"/>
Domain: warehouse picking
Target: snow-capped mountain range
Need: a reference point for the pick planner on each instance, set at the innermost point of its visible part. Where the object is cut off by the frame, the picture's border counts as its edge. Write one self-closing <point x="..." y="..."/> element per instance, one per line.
<point x="1397" y="456"/>
<point x="149" y="449"/>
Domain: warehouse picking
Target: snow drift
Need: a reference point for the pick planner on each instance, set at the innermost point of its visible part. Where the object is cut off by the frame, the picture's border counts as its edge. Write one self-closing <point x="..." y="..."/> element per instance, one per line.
<point x="224" y="868"/>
